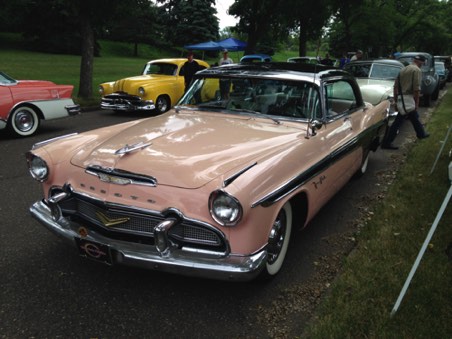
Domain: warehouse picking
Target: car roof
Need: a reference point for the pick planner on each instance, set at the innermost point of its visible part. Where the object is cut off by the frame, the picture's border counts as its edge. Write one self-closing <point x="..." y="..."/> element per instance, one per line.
<point x="256" y="56"/>
<point x="289" y="70"/>
<point x="412" y="54"/>
<point x="176" y="61"/>
<point x="391" y="62"/>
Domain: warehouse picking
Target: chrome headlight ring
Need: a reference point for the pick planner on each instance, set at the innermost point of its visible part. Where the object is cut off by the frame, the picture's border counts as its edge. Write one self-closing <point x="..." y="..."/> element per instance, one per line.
<point x="428" y="80"/>
<point x="38" y="167"/>
<point x="224" y="208"/>
<point x="141" y="92"/>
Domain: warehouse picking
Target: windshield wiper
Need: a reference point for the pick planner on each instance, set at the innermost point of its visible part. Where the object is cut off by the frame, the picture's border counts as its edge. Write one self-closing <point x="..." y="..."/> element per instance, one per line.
<point x="261" y="115"/>
<point x="212" y="105"/>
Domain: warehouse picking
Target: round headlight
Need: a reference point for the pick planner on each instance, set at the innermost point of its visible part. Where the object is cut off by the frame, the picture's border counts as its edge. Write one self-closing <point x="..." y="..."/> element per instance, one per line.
<point x="141" y="91"/>
<point x="225" y="209"/>
<point x="38" y="167"/>
<point x="101" y="90"/>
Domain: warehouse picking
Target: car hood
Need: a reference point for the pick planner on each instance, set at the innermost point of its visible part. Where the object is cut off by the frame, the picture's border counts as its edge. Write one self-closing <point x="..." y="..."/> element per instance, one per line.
<point x="141" y="80"/>
<point x="188" y="150"/>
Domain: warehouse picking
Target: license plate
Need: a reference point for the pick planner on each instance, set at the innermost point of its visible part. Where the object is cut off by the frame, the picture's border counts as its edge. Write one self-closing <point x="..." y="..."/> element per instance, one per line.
<point x="94" y="250"/>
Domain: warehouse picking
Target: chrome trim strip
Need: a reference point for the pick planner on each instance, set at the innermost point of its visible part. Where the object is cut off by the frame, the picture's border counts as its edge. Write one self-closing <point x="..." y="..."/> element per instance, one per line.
<point x="229" y="180"/>
<point x="121" y="177"/>
<point x="48" y="141"/>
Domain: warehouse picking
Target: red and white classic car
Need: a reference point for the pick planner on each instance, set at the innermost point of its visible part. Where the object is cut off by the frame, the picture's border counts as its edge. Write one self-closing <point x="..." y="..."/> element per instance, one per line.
<point x="23" y="103"/>
<point x="215" y="187"/>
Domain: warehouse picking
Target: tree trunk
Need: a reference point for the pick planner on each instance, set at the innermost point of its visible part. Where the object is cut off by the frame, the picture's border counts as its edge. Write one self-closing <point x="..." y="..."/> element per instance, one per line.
<point x="302" y="42"/>
<point x="86" y="66"/>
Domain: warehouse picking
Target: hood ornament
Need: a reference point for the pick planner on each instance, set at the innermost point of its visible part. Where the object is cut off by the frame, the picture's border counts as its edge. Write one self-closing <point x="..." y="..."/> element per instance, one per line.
<point x="130" y="148"/>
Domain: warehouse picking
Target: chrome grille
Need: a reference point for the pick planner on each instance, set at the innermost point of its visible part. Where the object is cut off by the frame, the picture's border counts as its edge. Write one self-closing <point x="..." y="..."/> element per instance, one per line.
<point x="195" y="234"/>
<point x="137" y="222"/>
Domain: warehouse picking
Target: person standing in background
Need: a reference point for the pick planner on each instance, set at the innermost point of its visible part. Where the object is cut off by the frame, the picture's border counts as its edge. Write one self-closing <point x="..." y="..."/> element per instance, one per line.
<point x="225" y="60"/>
<point x="407" y="83"/>
<point x="190" y="68"/>
<point x="357" y="56"/>
<point x="225" y="84"/>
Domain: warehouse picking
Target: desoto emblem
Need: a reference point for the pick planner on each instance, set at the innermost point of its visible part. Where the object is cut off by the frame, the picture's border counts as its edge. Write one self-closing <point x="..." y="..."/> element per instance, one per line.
<point x="108" y="222"/>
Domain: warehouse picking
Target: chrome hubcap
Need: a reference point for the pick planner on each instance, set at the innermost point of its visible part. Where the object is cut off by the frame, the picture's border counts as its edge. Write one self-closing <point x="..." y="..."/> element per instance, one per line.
<point x="23" y="121"/>
<point x="277" y="236"/>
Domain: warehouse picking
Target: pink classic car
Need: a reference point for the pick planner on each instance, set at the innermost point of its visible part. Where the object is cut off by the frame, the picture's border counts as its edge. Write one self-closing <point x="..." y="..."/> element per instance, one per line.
<point x="23" y="103"/>
<point x="215" y="187"/>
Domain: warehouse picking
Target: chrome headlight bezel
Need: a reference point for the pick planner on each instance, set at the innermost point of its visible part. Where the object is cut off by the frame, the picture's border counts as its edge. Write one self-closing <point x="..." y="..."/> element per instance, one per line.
<point x="225" y="209"/>
<point x="101" y="90"/>
<point x="37" y="167"/>
<point x="428" y="80"/>
<point x="141" y="91"/>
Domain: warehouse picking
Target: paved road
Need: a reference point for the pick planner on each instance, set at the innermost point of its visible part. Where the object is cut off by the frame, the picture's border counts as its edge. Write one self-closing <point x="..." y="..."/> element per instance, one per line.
<point x="47" y="290"/>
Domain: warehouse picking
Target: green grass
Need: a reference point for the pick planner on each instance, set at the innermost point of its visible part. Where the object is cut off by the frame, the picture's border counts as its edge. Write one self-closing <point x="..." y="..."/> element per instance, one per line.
<point x="362" y="297"/>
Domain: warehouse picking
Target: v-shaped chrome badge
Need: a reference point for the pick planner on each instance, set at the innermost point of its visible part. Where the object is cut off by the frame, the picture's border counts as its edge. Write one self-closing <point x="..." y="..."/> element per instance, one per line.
<point x="108" y="222"/>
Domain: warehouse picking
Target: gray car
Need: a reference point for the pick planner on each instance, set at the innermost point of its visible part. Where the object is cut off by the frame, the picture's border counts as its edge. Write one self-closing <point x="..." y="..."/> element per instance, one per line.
<point x="430" y="79"/>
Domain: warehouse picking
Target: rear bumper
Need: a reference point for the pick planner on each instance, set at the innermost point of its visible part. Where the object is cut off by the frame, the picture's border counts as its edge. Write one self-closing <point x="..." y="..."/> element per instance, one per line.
<point x="166" y="259"/>
<point x="126" y="102"/>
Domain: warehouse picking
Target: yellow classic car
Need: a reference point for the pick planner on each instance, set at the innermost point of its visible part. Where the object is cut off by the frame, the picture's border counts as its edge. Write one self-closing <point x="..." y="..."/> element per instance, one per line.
<point x="159" y="87"/>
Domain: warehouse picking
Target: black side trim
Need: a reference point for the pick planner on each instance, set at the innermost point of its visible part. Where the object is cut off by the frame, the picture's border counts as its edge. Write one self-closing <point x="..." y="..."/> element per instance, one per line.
<point x="365" y="138"/>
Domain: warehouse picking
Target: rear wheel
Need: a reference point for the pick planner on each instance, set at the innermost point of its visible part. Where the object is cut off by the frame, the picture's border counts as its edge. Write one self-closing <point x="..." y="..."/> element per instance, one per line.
<point x="278" y="241"/>
<point x="23" y="122"/>
<point x="163" y="104"/>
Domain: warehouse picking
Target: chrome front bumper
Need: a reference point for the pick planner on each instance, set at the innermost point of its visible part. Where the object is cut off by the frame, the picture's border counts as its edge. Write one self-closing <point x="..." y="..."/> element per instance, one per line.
<point x="126" y="102"/>
<point x="165" y="258"/>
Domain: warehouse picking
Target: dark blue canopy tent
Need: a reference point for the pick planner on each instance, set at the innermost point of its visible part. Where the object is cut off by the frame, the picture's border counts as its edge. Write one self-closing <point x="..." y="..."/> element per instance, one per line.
<point x="204" y="46"/>
<point x="232" y="44"/>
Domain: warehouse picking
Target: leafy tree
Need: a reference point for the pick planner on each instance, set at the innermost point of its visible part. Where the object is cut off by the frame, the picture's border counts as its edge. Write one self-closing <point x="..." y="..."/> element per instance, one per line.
<point x="308" y="18"/>
<point x="139" y="25"/>
<point x="189" y="21"/>
<point x="256" y="20"/>
<point x="69" y="26"/>
<point x="380" y="27"/>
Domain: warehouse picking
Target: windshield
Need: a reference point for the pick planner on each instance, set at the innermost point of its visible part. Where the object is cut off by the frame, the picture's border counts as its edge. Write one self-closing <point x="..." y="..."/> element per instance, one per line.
<point x="6" y="79"/>
<point x="373" y="71"/>
<point x="160" y="68"/>
<point x="439" y="66"/>
<point x="409" y="59"/>
<point x="275" y="98"/>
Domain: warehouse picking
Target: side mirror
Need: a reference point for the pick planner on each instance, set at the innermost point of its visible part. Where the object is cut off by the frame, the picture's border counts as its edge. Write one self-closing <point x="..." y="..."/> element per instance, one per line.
<point x="313" y="126"/>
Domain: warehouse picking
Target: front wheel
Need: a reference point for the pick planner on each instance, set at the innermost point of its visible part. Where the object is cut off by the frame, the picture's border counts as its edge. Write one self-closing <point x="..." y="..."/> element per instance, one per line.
<point x="278" y="241"/>
<point x="23" y="122"/>
<point x="163" y="104"/>
<point x="435" y="94"/>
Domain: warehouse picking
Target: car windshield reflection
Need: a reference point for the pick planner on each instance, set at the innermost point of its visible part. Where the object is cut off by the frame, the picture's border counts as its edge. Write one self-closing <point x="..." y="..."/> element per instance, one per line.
<point x="6" y="79"/>
<point x="277" y="98"/>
